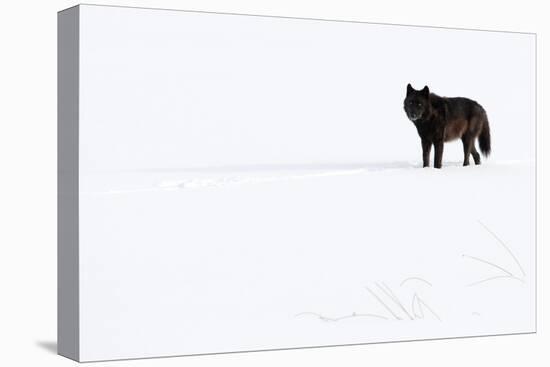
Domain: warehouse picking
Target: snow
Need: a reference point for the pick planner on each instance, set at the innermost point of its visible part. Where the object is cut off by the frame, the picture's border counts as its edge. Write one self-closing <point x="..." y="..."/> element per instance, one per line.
<point x="253" y="183"/>
<point x="318" y="254"/>
<point x="232" y="176"/>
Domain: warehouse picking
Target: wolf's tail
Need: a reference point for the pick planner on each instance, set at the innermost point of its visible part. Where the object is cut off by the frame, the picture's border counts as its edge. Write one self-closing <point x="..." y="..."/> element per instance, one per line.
<point x="484" y="138"/>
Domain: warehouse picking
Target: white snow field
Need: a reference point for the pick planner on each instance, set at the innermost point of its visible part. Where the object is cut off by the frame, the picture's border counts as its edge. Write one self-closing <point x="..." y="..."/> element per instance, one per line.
<point x="251" y="183"/>
<point x="263" y="259"/>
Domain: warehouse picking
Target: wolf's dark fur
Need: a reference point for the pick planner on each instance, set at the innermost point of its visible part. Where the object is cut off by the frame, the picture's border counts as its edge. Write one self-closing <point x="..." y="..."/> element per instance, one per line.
<point x="441" y="119"/>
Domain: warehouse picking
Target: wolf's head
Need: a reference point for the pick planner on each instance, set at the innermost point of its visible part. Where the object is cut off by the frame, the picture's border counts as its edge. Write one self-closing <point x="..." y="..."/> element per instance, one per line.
<point x="417" y="103"/>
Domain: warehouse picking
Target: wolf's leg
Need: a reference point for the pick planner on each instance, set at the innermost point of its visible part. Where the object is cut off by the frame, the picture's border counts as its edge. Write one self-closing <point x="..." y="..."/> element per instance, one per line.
<point x="426" y="148"/>
<point x="468" y="144"/>
<point x="438" y="157"/>
<point x="475" y="155"/>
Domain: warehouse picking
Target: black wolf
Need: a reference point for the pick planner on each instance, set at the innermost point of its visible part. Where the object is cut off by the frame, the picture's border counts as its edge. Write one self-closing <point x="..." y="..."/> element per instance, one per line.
<point x="441" y="119"/>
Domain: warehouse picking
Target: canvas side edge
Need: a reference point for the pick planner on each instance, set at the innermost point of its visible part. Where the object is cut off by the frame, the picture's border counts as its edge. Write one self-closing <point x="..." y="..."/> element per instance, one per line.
<point x="68" y="339"/>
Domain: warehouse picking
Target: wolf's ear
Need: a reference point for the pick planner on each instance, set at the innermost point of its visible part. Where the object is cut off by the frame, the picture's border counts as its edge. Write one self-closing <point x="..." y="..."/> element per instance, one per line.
<point x="426" y="91"/>
<point x="409" y="88"/>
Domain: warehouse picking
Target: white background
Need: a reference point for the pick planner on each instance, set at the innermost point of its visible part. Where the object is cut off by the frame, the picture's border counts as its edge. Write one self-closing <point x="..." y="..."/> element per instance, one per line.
<point x="28" y="202"/>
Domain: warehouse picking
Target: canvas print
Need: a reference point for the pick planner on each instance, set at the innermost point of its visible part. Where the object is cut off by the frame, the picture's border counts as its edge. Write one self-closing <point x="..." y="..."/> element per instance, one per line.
<point x="239" y="183"/>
